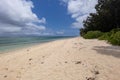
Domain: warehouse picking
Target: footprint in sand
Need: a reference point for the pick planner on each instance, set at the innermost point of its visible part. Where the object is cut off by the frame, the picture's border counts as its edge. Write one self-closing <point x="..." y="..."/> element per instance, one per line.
<point x="90" y="78"/>
<point x="42" y="62"/>
<point x="93" y="78"/>
<point x="6" y="68"/>
<point x="96" y="72"/>
<point x="22" y="68"/>
<point x="78" y="62"/>
<point x="30" y="59"/>
<point x="66" y="62"/>
<point x="75" y="43"/>
<point x="43" y="56"/>
<point x="27" y="49"/>
<point x="5" y="76"/>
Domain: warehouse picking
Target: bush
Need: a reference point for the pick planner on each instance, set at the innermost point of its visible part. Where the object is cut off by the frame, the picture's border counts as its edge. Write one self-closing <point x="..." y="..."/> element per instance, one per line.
<point x="82" y="32"/>
<point x="105" y="36"/>
<point x="92" y="34"/>
<point x="115" y="30"/>
<point x="115" y="38"/>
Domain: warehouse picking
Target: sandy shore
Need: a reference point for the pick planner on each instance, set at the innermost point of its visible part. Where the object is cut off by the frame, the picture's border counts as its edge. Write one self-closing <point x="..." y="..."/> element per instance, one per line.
<point x="68" y="59"/>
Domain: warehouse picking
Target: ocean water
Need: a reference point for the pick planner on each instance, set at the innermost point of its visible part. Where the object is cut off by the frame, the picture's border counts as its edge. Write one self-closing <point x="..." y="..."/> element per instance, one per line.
<point x="11" y="43"/>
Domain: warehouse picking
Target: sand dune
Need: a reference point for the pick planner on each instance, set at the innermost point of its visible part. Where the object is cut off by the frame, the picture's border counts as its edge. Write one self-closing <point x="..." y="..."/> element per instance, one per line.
<point x="68" y="59"/>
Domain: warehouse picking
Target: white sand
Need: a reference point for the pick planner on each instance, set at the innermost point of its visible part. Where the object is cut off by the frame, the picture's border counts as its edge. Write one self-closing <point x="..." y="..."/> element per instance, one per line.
<point x="69" y="59"/>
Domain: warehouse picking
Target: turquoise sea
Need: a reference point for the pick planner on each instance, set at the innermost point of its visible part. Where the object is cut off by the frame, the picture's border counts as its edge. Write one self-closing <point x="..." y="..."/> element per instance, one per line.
<point x="11" y="43"/>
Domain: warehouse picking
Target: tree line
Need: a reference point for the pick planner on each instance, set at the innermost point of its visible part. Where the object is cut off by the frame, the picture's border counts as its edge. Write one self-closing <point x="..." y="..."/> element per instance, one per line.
<point x="106" y="18"/>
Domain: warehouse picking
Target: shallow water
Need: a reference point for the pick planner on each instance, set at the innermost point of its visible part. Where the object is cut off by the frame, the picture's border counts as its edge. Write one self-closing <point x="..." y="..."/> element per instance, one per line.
<point x="10" y="43"/>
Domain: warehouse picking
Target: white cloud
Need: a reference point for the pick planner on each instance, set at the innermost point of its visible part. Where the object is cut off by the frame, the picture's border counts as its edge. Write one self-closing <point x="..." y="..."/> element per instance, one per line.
<point x="35" y="27"/>
<point x="8" y="28"/>
<point x="17" y="16"/>
<point x="79" y="10"/>
<point x="43" y="20"/>
<point x="48" y="34"/>
<point x="60" y="32"/>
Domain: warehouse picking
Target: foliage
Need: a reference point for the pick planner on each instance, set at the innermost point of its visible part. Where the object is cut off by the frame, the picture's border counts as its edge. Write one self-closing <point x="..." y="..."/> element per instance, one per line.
<point x="92" y="34"/>
<point x="82" y="32"/>
<point x="105" y="36"/>
<point x="115" y="30"/>
<point x="106" y="18"/>
<point x="115" y="38"/>
<point x="112" y="37"/>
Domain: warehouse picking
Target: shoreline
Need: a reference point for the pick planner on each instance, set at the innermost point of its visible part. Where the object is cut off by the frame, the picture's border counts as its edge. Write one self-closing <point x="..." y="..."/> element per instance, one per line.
<point x="26" y="46"/>
<point x="65" y="59"/>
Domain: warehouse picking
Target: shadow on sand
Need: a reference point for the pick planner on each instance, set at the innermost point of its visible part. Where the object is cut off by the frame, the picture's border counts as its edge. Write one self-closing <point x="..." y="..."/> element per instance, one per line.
<point x="108" y="50"/>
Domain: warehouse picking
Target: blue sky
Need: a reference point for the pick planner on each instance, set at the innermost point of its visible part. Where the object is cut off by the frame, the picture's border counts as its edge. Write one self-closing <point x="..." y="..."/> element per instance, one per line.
<point x="44" y="17"/>
<point x="57" y="18"/>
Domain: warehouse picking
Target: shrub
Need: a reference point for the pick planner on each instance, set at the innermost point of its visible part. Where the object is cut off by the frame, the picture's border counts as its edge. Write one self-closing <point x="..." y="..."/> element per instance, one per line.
<point x="115" y="30"/>
<point x="105" y="36"/>
<point x="92" y="34"/>
<point x="115" y="38"/>
<point x="82" y="31"/>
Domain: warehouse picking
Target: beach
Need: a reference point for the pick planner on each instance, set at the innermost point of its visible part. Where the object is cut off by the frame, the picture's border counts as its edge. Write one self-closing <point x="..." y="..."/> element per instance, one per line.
<point x="65" y="59"/>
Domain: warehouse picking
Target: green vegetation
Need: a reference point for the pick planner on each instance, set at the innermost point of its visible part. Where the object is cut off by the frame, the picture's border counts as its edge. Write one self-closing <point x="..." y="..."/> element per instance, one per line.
<point x="105" y="36"/>
<point x="115" y="30"/>
<point x="105" y="23"/>
<point x="92" y="34"/>
<point x="115" y="38"/>
<point x="112" y="37"/>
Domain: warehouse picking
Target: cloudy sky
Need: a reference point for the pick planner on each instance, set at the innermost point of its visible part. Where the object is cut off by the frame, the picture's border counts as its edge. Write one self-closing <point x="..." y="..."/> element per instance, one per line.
<point x="43" y="17"/>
